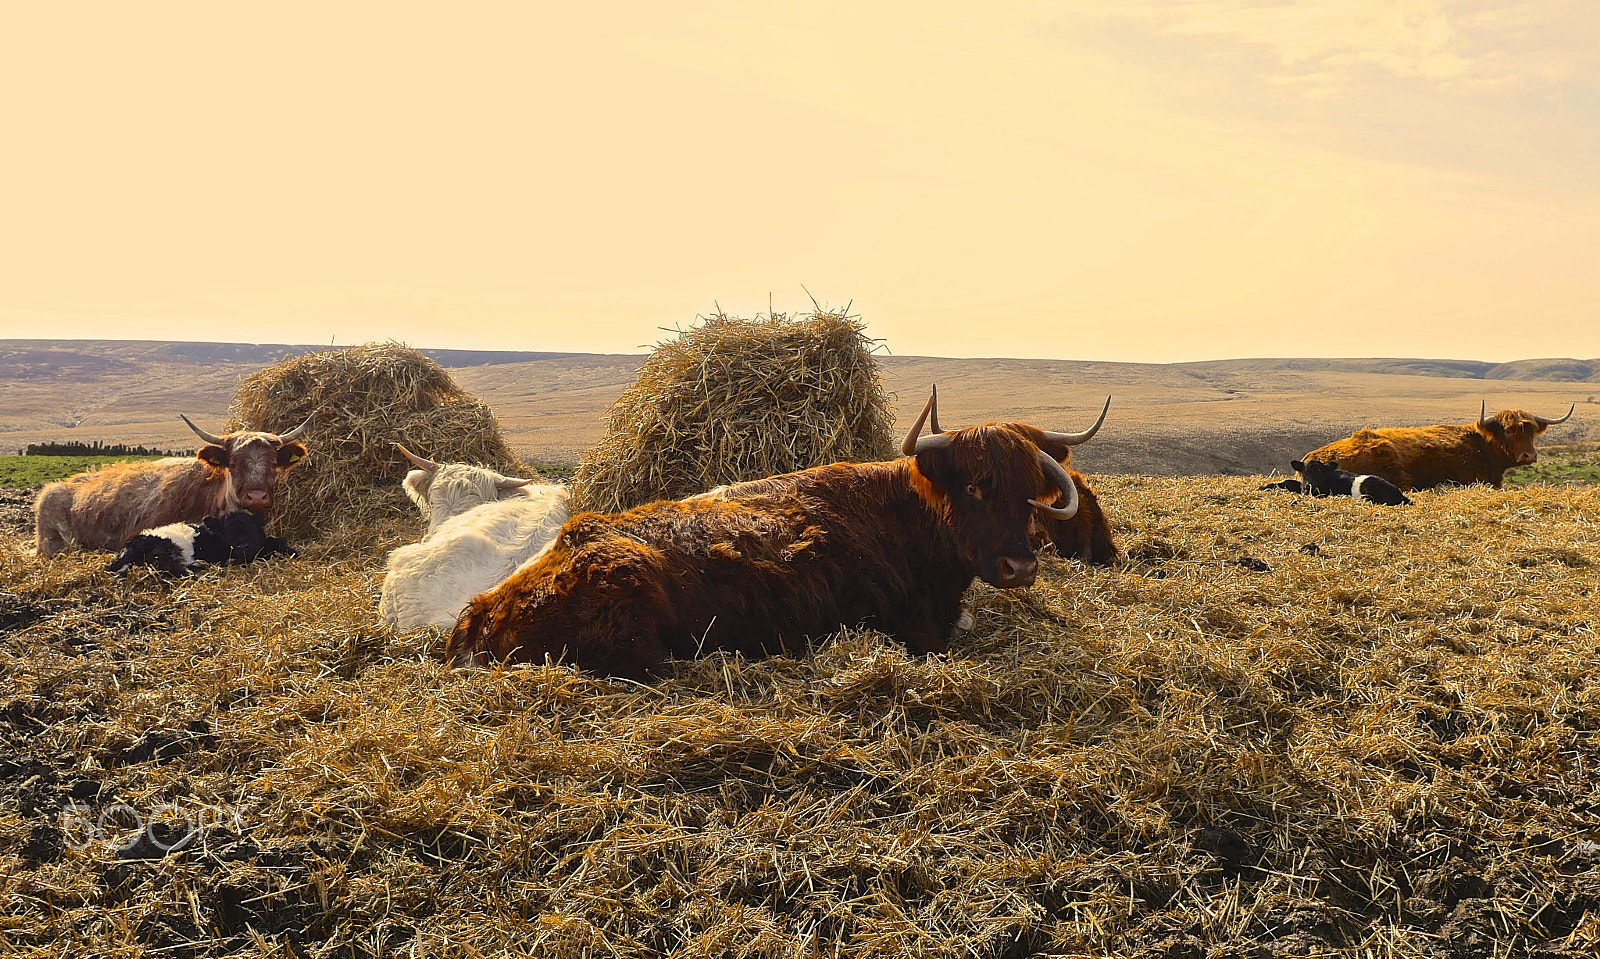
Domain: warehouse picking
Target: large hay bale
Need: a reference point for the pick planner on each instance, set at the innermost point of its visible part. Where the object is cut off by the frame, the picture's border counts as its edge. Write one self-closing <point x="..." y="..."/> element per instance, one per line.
<point x="737" y="399"/>
<point x="366" y="399"/>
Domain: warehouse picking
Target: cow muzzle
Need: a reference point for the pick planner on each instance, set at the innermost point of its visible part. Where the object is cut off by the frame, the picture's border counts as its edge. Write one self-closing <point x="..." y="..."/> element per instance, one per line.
<point x="256" y="499"/>
<point x="1012" y="572"/>
<point x="1523" y="459"/>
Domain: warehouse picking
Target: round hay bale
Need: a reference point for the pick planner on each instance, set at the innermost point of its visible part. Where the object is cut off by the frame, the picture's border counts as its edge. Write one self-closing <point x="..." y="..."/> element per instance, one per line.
<point x="366" y="399"/>
<point x="737" y="399"/>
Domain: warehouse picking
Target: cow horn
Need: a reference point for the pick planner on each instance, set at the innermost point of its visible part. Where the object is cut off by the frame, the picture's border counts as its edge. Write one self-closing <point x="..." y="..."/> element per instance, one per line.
<point x="208" y="437"/>
<point x="933" y="413"/>
<point x="913" y="445"/>
<point x="1544" y="421"/>
<point x="507" y="482"/>
<point x="1483" y="412"/>
<point x="295" y="433"/>
<point x="1073" y="439"/>
<point x="417" y="461"/>
<point x="1056" y="474"/>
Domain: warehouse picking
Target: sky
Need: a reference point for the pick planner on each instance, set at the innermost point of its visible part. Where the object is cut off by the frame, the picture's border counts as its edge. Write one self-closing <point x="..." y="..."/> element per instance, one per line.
<point x="1140" y="180"/>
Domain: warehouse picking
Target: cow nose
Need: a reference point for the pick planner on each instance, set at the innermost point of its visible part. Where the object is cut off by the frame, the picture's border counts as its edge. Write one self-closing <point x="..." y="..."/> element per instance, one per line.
<point x="1524" y="459"/>
<point x="256" y="499"/>
<point x="1017" y="572"/>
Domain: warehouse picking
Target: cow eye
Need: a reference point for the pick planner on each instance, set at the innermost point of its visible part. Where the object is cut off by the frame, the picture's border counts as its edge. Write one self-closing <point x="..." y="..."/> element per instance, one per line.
<point x="973" y="491"/>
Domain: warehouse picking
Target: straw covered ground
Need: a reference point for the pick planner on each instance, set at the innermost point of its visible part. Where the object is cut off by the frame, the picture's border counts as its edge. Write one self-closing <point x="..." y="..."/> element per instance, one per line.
<point x="366" y="399"/>
<point x="739" y="399"/>
<point x="1285" y="727"/>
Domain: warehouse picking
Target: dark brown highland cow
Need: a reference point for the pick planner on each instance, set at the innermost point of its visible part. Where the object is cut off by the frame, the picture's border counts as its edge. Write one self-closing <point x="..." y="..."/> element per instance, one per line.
<point x="103" y="508"/>
<point x="1422" y="457"/>
<point x="1086" y="535"/>
<point x="764" y="567"/>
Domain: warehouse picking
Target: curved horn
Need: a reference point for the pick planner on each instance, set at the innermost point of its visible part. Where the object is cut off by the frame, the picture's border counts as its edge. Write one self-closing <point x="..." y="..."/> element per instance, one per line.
<point x="208" y="437"/>
<point x="417" y="461"/>
<point x="507" y="482"/>
<point x="1543" y="421"/>
<point x="1483" y="412"/>
<point x="933" y="412"/>
<point x="1054" y="472"/>
<point x="912" y="446"/>
<point x="1073" y="439"/>
<point x="295" y="433"/>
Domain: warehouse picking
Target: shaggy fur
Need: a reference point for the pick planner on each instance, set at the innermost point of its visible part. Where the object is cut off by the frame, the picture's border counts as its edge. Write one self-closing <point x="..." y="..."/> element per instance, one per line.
<point x="454" y="488"/>
<point x="101" y="509"/>
<point x="765" y="567"/>
<point x="1417" y="458"/>
<point x="1086" y="536"/>
<point x="429" y="582"/>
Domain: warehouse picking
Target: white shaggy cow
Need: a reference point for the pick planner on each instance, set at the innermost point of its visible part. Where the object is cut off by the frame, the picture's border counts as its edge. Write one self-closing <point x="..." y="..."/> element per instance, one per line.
<point x="445" y="490"/>
<point x="465" y="553"/>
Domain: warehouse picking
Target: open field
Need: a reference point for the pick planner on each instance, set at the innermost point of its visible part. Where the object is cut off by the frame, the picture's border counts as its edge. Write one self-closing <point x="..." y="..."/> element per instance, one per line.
<point x="1233" y="416"/>
<point x="30" y="471"/>
<point x="1283" y="727"/>
<point x="1286" y="726"/>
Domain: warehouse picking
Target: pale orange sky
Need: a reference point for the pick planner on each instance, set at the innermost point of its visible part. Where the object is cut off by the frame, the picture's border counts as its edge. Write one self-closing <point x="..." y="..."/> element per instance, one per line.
<point x="1137" y="180"/>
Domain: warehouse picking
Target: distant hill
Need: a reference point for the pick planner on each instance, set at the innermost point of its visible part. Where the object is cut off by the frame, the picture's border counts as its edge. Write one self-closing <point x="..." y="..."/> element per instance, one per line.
<point x="1550" y="370"/>
<point x="20" y="358"/>
<point x="1556" y="371"/>
<point x="1217" y="416"/>
<point x="74" y="358"/>
<point x="1470" y="369"/>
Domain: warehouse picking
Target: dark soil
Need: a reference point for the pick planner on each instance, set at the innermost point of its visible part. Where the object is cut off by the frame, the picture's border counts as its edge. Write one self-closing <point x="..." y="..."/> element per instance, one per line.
<point x="16" y="512"/>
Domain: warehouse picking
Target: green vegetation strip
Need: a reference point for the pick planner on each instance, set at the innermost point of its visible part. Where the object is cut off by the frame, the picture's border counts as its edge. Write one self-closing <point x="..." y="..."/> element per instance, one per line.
<point x="1559" y="468"/>
<point x="28" y="471"/>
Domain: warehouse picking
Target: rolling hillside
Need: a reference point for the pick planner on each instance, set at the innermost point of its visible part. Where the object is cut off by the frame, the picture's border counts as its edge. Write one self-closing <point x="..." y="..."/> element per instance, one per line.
<point x="1220" y="416"/>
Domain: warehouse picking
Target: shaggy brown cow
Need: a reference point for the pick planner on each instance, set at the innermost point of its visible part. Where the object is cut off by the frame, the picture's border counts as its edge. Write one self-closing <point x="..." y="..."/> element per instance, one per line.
<point x="764" y="567"/>
<point x="1087" y="535"/>
<point x="101" y="509"/>
<point x="1423" y="457"/>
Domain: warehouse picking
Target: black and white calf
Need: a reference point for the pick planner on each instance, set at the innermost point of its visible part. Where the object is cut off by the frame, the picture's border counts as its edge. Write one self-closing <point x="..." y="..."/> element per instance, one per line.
<point x="231" y="540"/>
<point x="1325" y="478"/>
<point x="1291" y="484"/>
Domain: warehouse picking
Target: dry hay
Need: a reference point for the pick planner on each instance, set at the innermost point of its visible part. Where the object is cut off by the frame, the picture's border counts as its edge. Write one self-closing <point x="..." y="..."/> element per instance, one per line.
<point x="1383" y="747"/>
<point x="367" y="398"/>
<point x="736" y="399"/>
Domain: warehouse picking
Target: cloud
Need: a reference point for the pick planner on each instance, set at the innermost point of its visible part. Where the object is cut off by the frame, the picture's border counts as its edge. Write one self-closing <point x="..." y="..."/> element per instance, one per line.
<point x="1325" y="48"/>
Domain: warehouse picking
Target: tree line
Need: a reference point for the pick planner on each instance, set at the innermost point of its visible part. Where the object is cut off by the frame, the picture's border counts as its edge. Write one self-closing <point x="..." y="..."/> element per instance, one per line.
<point x="95" y="448"/>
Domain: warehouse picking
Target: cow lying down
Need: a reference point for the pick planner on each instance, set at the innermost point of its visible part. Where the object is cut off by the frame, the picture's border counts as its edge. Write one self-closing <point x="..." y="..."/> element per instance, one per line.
<point x="783" y="561"/>
<point x="481" y="527"/>
<point x="443" y="491"/>
<point x="1325" y="478"/>
<point x="102" y="508"/>
<point x="234" y="539"/>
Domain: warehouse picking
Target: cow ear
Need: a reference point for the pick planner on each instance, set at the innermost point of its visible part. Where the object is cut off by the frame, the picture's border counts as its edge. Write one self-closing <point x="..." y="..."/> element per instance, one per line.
<point x="290" y="454"/>
<point x="1299" y="467"/>
<point x="1493" y="427"/>
<point x="215" y="455"/>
